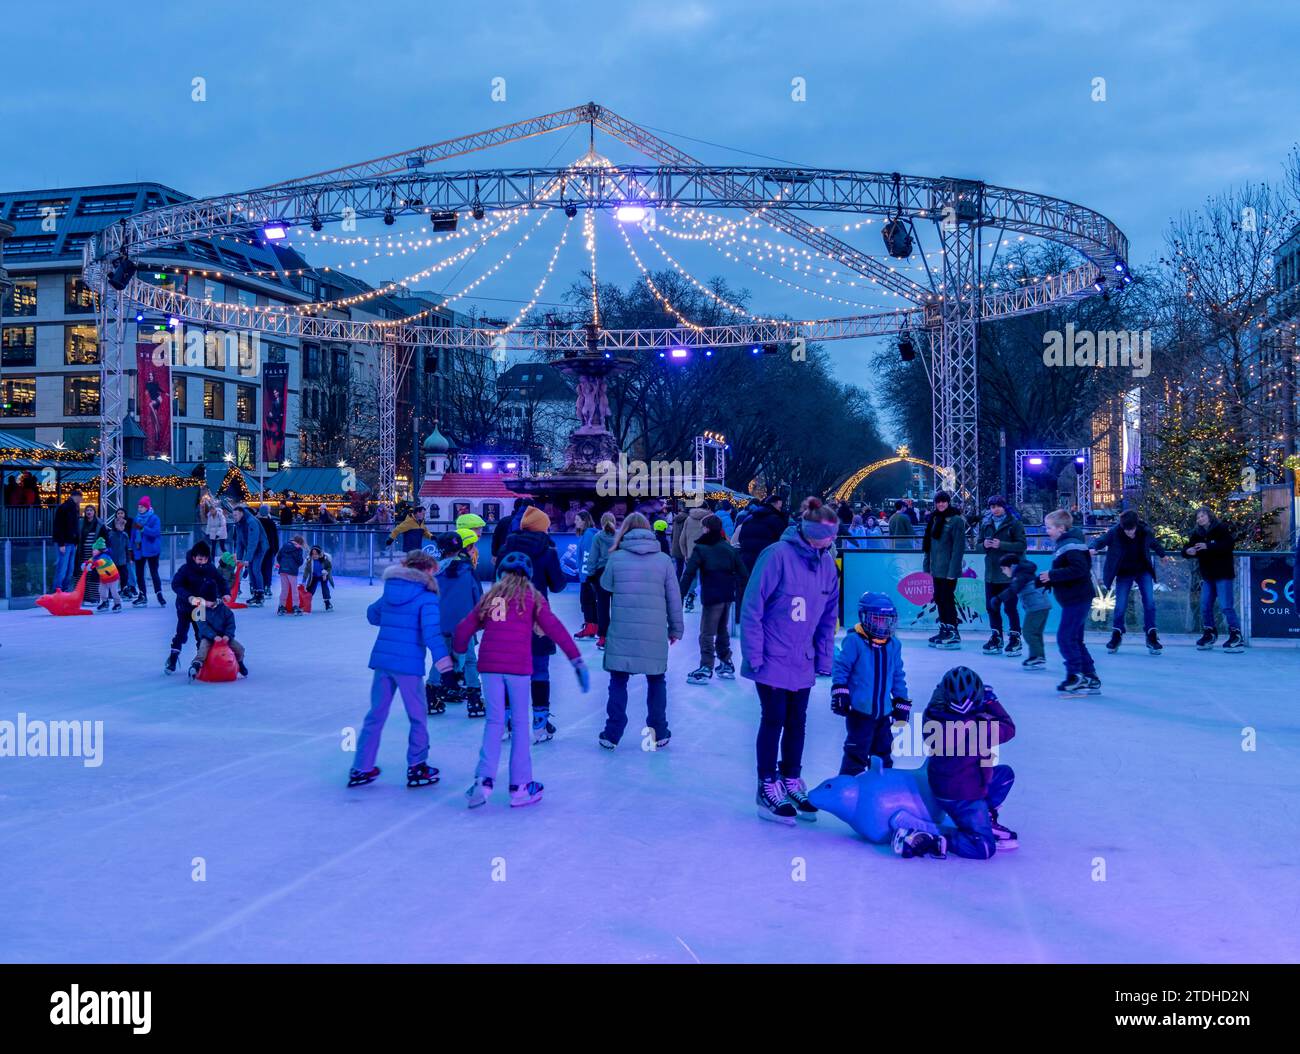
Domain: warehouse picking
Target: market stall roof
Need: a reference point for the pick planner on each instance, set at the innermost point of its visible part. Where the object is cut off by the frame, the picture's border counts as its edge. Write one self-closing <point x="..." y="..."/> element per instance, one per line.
<point x="220" y="477"/>
<point x="21" y="452"/>
<point x="140" y="472"/>
<point x="316" y="482"/>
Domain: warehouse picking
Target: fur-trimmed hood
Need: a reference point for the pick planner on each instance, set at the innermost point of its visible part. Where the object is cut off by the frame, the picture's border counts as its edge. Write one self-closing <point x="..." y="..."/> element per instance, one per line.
<point x="401" y="573"/>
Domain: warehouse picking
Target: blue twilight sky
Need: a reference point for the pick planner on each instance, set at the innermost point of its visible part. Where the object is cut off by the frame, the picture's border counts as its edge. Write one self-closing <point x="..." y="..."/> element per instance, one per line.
<point x="1199" y="95"/>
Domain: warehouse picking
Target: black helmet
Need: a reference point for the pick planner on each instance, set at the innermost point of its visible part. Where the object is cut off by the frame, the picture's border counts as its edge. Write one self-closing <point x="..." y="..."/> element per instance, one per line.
<point x="962" y="689"/>
<point x="516" y="563"/>
<point x="449" y="544"/>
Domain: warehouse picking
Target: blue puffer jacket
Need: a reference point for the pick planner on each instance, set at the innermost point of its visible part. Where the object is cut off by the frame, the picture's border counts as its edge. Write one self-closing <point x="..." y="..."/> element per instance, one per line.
<point x="787" y="619"/>
<point x="291" y="558"/>
<point x="459" y="590"/>
<point x="250" y="539"/>
<point x="146" y="535"/>
<point x="872" y="673"/>
<point x="584" y="548"/>
<point x="408" y="620"/>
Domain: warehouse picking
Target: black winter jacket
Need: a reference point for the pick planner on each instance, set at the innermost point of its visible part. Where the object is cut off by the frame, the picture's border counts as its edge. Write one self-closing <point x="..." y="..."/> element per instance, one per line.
<point x="721" y="570"/>
<point x="195" y="580"/>
<point x="1070" y="575"/>
<point x="762" y="527"/>
<point x="548" y="576"/>
<point x="1215" y="560"/>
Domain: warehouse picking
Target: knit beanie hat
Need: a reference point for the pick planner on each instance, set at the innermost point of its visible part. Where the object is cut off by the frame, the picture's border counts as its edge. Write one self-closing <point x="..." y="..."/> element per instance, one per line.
<point x="145" y="503"/>
<point x="99" y="545"/>
<point x="535" y="520"/>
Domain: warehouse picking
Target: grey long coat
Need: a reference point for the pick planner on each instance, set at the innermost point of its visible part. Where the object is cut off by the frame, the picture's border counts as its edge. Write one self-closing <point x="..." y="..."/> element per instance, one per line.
<point x="647" y="605"/>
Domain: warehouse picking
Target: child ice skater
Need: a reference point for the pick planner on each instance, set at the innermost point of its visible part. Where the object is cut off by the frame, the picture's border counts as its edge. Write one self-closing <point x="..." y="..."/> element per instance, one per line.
<point x="458" y="594"/>
<point x="1070" y="580"/>
<point x="290" y="557"/>
<point x="508" y="615"/>
<point x="722" y="580"/>
<point x="318" y="570"/>
<point x="969" y="725"/>
<point x="408" y="621"/>
<point x="110" y="579"/>
<point x="214" y="621"/>
<point x="194" y="579"/>
<point x="869" y="685"/>
<point x="1034" y="599"/>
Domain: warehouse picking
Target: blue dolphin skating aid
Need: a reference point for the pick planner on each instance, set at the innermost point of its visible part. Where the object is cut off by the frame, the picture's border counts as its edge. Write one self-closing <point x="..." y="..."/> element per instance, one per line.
<point x="876" y="801"/>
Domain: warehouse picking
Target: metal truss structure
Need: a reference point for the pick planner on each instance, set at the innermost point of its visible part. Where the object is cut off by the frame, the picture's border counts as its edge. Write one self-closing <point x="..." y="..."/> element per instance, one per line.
<point x="949" y="310"/>
<point x="111" y="314"/>
<point x="706" y="442"/>
<point x="1083" y="470"/>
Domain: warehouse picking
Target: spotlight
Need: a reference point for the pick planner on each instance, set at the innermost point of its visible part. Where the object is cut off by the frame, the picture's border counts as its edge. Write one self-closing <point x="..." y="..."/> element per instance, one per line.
<point x="316" y="224"/>
<point x="906" y="349"/>
<point x="1035" y="461"/>
<point x="486" y="465"/>
<point x="511" y="466"/>
<point x="1127" y="280"/>
<point x="477" y="210"/>
<point x="275" y="232"/>
<point x="1099" y="286"/>
<point x="756" y="351"/>
<point x="121" y="273"/>
<point x="1119" y="268"/>
<point x="388" y="217"/>
<point x="570" y="210"/>
<point x="139" y="316"/>
<point x="1079" y="460"/>
<point x="679" y="353"/>
<point x="630" y="213"/>
<point x="708" y="354"/>
<point x="443" y="221"/>
<point x="898" y="239"/>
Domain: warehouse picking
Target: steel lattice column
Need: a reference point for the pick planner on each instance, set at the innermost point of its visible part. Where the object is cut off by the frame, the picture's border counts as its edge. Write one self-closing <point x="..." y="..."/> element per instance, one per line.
<point x="388" y="424"/>
<point x="959" y="205"/>
<point x="111" y="311"/>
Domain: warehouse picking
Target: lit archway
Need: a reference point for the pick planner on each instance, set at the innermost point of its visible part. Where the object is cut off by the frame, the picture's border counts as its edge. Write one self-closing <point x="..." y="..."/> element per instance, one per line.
<point x="902" y="455"/>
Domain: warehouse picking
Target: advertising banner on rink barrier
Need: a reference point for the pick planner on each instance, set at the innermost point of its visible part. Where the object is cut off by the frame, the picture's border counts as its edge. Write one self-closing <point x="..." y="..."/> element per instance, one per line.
<point x="1271" y="596"/>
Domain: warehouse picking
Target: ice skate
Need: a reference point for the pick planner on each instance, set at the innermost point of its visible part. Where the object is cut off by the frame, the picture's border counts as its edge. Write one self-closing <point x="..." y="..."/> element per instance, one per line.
<point x="600" y="643"/>
<point x="357" y="778"/>
<point x="725" y="671"/>
<point x="797" y="793"/>
<point x="701" y="676"/>
<point x="774" y="804"/>
<point x="1015" y="645"/>
<point x="196" y="668"/>
<point x="1116" y="639"/>
<point x="1092" y="684"/>
<point x="474" y="703"/>
<point x="689" y="605"/>
<point x="1207" y="639"/>
<point x="421" y="775"/>
<point x="1034" y="662"/>
<point x="587" y="632"/>
<point x="908" y="844"/>
<point x="1074" y="684"/>
<point x="170" y="666"/>
<point x="162" y="603"/>
<point x="1234" y="645"/>
<point x="607" y="743"/>
<point x="543" y="730"/>
<point x="329" y="605"/>
<point x="117" y="607"/>
<point x="280" y="610"/>
<point x="1154" y="646"/>
<point x="478" y="794"/>
<point x="243" y="670"/>
<point x="140" y="601"/>
<point x="103" y="606"/>
<point x="1006" y="838"/>
<point x="433" y="699"/>
<point x="994" y="645"/>
<point x="948" y="638"/>
<point x="529" y="794"/>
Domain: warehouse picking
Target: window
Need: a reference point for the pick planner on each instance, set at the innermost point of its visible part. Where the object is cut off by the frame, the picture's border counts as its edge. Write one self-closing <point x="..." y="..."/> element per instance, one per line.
<point x="30" y="245"/>
<point x="179" y="400"/>
<point x="18" y="397"/>
<point x="244" y="451"/>
<point x="21" y="302"/>
<point x="245" y="404"/>
<point x="214" y="444"/>
<point x="78" y="298"/>
<point x="340" y="365"/>
<point x="81" y="395"/>
<point x="275" y="353"/>
<point x="105" y="204"/>
<point x="18" y="346"/>
<point x="214" y="348"/>
<point x="80" y="346"/>
<point x="214" y="401"/>
<point x="310" y="361"/>
<point x="49" y="208"/>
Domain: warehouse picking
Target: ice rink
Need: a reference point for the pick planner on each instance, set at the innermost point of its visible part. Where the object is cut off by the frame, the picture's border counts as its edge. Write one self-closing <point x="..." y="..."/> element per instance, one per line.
<point x="1147" y="832"/>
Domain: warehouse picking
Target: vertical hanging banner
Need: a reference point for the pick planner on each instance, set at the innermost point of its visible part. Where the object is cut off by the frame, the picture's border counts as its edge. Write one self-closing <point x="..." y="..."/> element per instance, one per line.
<point x="153" y="374"/>
<point x="275" y="402"/>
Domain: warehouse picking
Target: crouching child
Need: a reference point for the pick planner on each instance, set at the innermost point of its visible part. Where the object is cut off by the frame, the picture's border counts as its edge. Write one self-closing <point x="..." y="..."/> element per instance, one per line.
<point x="964" y="727"/>
<point x="214" y="621"/>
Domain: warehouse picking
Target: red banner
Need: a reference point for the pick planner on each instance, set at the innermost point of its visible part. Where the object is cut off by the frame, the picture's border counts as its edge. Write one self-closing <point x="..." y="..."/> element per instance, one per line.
<point x="153" y="374"/>
<point x="275" y="412"/>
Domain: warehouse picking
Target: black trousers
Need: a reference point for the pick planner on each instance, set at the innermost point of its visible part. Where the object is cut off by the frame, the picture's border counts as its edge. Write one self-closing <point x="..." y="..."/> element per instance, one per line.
<point x="604" y="598"/>
<point x="867" y="737"/>
<point x="152" y="562"/>
<point x="587" y="598"/>
<point x="184" y="625"/>
<point x="945" y="599"/>
<point x="998" y="598"/>
<point x="781" y="730"/>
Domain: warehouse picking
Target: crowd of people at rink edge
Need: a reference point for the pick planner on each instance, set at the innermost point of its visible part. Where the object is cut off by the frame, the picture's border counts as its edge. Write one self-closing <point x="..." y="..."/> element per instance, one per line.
<point x="492" y="643"/>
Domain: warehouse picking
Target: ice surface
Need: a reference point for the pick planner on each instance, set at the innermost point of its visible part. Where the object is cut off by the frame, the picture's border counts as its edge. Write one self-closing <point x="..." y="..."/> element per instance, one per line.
<point x="632" y="856"/>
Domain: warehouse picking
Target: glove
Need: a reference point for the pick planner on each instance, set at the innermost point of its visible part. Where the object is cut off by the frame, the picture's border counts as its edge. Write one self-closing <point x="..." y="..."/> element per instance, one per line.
<point x="902" y="710"/>
<point x="452" y="678"/>
<point x="840" y="701"/>
<point x="584" y="677"/>
<point x="444" y="665"/>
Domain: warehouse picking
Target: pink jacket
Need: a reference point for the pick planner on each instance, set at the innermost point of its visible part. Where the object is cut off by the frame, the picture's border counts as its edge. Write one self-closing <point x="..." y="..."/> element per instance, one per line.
<point x="507" y="645"/>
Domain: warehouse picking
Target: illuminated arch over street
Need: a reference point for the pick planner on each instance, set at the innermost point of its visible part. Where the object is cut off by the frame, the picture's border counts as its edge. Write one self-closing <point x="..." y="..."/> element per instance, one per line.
<point x="902" y="455"/>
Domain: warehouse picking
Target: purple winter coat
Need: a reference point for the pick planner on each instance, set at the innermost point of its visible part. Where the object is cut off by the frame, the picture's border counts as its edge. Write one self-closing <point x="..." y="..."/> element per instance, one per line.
<point x="788" y="616"/>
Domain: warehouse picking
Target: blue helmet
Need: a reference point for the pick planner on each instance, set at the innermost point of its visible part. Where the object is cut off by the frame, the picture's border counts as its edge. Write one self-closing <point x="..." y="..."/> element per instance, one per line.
<point x="878" y="616"/>
<point x="515" y="563"/>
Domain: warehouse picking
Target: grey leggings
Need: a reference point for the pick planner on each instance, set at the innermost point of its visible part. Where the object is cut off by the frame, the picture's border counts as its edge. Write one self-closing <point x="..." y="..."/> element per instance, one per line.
<point x="498" y="688"/>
